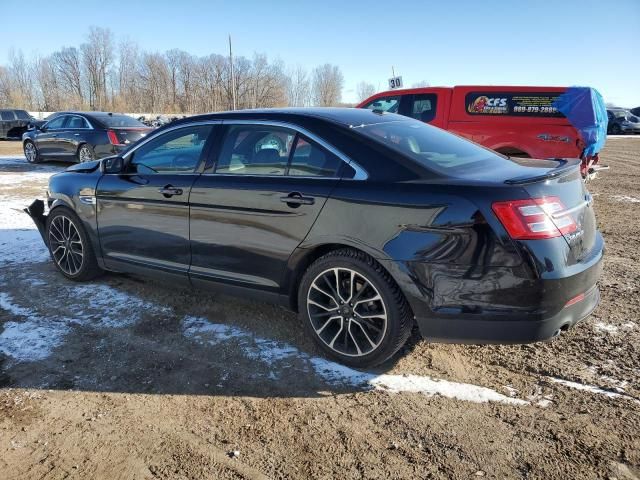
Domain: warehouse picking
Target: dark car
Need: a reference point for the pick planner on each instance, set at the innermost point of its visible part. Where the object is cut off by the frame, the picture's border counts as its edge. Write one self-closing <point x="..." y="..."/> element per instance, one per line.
<point x="622" y="121"/>
<point x="365" y="223"/>
<point x="81" y="136"/>
<point x="13" y="123"/>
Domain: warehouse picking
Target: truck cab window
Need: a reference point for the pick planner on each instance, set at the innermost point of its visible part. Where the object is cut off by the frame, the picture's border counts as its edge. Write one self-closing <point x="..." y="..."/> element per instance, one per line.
<point x="423" y="107"/>
<point x="385" y="104"/>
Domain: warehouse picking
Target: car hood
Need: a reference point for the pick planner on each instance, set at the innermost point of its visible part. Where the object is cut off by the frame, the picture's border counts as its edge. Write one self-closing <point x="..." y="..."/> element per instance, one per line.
<point x="84" y="167"/>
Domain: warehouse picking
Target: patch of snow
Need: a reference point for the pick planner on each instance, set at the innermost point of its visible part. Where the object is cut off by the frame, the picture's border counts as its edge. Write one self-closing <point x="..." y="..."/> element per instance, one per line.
<point x="202" y="330"/>
<point x="591" y="389"/>
<point x="545" y="402"/>
<point x="605" y="327"/>
<point x="513" y="392"/>
<point x="625" y="198"/>
<point x="271" y="352"/>
<point x="110" y="307"/>
<point x="35" y="337"/>
<point x="628" y="326"/>
<point x="32" y="339"/>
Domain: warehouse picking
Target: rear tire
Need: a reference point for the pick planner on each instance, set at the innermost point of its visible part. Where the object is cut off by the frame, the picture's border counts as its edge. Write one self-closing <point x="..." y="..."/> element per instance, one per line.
<point x="353" y="309"/>
<point x="85" y="153"/>
<point x="70" y="247"/>
<point x="31" y="152"/>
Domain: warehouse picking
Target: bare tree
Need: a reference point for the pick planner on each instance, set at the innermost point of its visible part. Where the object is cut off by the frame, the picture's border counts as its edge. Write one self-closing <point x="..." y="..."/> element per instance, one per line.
<point x="364" y="90"/>
<point x="298" y="87"/>
<point x="21" y="79"/>
<point x="100" y="74"/>
<point x="97" y="58"/>
<point x="68" y="68"/>
<point x="327" y="85"/>
<point x="47" y="82"/>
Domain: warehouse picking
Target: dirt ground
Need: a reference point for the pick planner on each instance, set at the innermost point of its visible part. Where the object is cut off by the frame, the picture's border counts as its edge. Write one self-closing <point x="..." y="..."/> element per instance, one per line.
<point x="126" y="378"/>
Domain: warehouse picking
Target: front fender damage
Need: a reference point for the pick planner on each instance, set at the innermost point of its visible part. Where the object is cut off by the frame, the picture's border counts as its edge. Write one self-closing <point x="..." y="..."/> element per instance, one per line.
<point x="36" y="212"/>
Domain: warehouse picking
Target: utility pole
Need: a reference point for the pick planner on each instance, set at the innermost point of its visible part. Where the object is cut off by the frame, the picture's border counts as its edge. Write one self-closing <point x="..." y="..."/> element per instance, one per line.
<point x="233" y="79"/>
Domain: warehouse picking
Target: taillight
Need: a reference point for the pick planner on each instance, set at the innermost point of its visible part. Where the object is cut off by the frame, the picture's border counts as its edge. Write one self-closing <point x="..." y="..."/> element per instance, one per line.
<point x="535" y="218"/>
<point x="113" y="138"/>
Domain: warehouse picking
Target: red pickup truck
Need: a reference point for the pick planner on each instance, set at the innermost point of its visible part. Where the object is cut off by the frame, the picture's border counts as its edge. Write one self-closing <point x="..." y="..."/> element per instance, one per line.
<point x="516" y="121"/>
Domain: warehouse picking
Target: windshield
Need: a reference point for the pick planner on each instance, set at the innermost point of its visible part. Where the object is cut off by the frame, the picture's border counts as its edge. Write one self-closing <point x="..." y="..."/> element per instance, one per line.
<point x="115" y="121"/>
<point x="432" y="147"/>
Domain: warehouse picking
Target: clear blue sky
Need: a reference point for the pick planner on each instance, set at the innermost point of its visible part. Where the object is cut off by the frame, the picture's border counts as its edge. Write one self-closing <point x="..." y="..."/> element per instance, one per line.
<point x="559" y="42"/>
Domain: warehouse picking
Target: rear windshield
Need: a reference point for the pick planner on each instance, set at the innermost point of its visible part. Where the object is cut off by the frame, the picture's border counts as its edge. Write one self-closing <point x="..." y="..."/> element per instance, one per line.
<point x="115" y="121"/>
<point x="432" y="147"/>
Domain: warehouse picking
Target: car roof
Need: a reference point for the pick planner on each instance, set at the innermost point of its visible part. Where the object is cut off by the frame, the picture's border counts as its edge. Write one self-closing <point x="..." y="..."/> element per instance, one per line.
<point x="346" y="117"/>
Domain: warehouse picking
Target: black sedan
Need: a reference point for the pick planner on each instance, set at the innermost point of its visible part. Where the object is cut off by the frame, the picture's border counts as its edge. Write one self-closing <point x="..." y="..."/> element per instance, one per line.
<point x="365" y="223"/>
<point x="81" y="136"/>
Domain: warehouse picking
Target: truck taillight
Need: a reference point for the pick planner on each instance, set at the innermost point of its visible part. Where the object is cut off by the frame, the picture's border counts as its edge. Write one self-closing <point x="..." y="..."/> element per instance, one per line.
<point x="535" y="218"/>
<point x="113" y="138"/>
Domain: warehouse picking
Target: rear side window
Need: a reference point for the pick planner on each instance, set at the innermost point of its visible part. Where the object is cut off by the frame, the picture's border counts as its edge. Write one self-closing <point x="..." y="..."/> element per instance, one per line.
<point x="7" y="115"/>
<point x="255" y="150"/>
<point x="22" y="115"/>
<point x="432" y="147"/>
<point x="311" y="160"/>
<point x="77" y="122"/>
<point x="519" y="104"/>
<point x="423" y="107"/>
<point x="385" y="104"/>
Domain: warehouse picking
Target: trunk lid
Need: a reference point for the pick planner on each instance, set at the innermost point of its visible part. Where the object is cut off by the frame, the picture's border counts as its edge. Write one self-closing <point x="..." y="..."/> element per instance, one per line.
<point x="129" y="135"/>
<point x="564" y="183"/>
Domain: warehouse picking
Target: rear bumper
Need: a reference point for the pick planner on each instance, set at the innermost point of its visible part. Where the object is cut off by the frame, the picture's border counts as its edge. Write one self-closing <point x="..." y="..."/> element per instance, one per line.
<point x="481" y="331"/>
<point x="454" y="304"/>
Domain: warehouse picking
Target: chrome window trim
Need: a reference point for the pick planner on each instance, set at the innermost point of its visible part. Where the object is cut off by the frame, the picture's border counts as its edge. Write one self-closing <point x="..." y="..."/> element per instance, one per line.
<point x="360" y="173"/>
<point x="156" y="134"/>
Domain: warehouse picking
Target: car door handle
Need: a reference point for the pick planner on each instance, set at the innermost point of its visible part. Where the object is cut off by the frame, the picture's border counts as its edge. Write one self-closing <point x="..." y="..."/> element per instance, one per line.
<point x="169" y="191"/>
<point x="295" y="199"/>
<point x="77" y="134"/>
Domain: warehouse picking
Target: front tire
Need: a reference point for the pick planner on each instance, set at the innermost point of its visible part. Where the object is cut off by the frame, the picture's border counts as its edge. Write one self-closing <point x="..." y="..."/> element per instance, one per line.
<point x="85" y="153"/>
<point x="353" y="309"/>
<point x="69" y="246"/>
<point x="31" y="152"/>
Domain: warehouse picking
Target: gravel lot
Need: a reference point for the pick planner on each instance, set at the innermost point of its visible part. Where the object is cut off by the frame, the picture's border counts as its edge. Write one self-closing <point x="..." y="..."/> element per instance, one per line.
<point x="126" y="378"/>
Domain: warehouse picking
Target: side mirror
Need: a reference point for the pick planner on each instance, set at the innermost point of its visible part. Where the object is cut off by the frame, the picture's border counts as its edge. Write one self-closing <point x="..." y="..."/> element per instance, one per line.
<point x="31" y="127"/>
<point x="113" y="165"/>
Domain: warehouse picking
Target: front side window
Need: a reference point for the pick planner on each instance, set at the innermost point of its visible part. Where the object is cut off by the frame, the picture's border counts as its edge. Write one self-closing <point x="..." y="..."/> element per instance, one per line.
<point x="57" y="122"/>
<point x="255" y="150"/>
<point x="423" y="107"/>
<point x="384" y="104"/>
<point x="311" y="160"/>
<point x="177" y="151"/>
<point x="7" y="115"/>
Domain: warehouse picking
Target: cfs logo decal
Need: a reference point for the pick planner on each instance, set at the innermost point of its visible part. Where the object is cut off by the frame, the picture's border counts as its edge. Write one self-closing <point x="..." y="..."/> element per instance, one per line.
<point x="484" y="104"/>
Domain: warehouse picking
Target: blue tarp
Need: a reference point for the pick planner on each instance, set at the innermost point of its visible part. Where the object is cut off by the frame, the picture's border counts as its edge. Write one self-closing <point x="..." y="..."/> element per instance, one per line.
<point x="585" y="109"/>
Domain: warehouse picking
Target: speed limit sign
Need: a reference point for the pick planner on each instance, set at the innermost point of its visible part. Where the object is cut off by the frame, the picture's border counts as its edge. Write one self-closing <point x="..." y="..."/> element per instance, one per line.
<point x="395" y="82"/>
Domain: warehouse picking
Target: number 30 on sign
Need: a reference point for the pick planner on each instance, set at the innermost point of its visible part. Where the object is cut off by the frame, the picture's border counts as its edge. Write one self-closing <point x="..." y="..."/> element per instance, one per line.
<point x="395" y="82"/>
